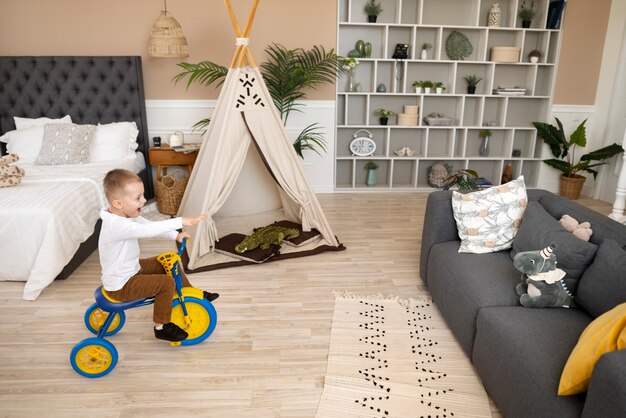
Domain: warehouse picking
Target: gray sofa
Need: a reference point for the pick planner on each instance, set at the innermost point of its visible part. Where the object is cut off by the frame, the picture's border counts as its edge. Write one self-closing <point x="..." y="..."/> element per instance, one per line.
<point x="519" y="353"/>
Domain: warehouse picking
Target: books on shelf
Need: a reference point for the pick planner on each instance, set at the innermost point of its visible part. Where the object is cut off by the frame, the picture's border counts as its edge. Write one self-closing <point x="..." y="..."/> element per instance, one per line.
<point x="510" y="91"/>
<point x="555" y="14"/>
<point x="187" y="148"/>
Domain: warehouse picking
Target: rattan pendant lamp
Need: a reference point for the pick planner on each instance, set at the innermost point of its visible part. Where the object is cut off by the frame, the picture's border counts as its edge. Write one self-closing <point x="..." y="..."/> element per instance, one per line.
<point x="167" y="39"/>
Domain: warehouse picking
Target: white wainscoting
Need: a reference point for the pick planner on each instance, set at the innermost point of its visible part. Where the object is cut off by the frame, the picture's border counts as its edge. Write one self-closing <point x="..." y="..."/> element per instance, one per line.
<point x="168" y="116"/>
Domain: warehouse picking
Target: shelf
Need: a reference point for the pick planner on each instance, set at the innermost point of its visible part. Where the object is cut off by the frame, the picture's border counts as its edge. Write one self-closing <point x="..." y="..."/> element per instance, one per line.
<point x="416" y="22"/>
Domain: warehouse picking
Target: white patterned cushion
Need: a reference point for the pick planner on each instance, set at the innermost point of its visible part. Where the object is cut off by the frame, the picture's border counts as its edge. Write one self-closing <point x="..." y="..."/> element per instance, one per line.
<point x="487" y="220"/>
<point x="65" y="144"/>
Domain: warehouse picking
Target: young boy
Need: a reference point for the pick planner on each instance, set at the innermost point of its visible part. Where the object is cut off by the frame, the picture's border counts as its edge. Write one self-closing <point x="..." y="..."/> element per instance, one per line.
<point x="124" y="276"/>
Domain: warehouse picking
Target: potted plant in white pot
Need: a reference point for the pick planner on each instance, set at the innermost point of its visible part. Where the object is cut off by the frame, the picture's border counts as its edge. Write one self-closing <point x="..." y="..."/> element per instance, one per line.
<point x="384" y="115"/>
<point x="472" y="80"/>
<point x="419" y="86"/>
<point x="372" y="9"/>
<point x="428" y="85"/>
<point x="564" y="152"/>
<point x="425" y="47"/>
<point x="439" y="87"/>
<point x="534" y="56"/>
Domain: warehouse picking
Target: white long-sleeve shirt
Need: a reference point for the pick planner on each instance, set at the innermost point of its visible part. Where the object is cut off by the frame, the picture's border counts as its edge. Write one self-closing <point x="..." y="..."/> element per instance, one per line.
<point x="118" y="245"/>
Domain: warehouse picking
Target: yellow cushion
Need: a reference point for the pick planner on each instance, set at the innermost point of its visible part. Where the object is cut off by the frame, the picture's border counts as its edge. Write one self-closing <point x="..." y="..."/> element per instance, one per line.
<point x="606" y="333"/>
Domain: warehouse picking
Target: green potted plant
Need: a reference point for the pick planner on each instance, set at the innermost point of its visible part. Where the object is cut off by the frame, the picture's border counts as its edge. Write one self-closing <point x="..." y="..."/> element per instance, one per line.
<point x="372" y="9"/>
<point x="419" y="86"/>
<point x="472" y="80"/>
<point x="564" y="152"/>
<point x="534" y="56"/>
<point x="428" y="85"/>
<point x="484" y="134"/>
<point x="527" y="13"/>
<point x="464" y="179"/>
<point x="384" y="115"/>
<point x="425" y="47"/>
<point x="439" y="87"/>
<point x="371" y="167"/>
<point x="288" y="74"/>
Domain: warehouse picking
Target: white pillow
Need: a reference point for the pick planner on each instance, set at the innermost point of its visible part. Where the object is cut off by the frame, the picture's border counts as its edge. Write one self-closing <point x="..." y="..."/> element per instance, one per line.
<point x="487" y="220"/>
<point x="114" y="141"/>
<point x="25" y="123"/>
<point x="24" y="142"/>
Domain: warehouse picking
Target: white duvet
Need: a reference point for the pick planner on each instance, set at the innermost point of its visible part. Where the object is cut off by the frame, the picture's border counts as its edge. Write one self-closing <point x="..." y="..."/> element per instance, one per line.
<point x="44" y="220"/>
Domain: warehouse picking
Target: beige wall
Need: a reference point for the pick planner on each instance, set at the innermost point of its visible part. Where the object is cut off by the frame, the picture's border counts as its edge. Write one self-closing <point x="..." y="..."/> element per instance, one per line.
<point x="584" y="32"/>
<point x="122" y="27"/>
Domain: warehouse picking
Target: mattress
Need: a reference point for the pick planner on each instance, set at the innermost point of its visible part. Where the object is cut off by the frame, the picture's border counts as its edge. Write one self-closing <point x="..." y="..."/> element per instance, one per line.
<point x="47" y="217"/>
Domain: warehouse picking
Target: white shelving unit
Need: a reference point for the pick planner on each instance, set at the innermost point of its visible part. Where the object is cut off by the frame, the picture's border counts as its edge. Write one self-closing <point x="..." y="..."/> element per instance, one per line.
<point x="415" y="22"/>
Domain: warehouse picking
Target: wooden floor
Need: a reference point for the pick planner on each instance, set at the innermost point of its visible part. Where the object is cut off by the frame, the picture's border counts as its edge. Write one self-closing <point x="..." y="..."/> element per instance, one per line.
<point x="267" y="356"/>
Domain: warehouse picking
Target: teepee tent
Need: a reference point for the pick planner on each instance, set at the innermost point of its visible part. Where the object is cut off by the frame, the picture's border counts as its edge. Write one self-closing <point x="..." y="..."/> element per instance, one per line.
<point x="247" y="173"/>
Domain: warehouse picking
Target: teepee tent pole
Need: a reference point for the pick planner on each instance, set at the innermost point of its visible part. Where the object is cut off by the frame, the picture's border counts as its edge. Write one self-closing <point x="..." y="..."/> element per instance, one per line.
<point x="242" y="52"/>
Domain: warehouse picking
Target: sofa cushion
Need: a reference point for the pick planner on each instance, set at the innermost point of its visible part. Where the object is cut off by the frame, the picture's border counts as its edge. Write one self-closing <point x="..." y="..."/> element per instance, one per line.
<point x="605" y="334"/>
<point x="520" y="354"/>
<point x="539" y="229"/>
<point x="461" y="284"/>
<point x="603" y="226"/>
<point x="605" y="396"/>
<point x="603" y="285"/>
<point x="488" y="219"/>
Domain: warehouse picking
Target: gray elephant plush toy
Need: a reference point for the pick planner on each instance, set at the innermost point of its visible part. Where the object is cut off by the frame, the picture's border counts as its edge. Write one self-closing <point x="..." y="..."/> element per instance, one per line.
<point x="542" y="285"/>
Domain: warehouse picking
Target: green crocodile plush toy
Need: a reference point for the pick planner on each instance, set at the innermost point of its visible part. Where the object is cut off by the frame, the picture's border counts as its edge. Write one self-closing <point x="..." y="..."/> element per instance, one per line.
<point x="265" y="236"/>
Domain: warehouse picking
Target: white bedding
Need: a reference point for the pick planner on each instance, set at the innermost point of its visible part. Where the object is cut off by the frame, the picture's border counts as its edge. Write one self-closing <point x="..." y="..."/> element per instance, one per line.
<point x="45" y="219"/>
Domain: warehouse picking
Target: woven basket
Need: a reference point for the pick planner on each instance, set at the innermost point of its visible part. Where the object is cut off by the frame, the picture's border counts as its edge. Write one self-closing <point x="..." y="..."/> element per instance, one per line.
<point x="572" y="186"/>
<point x="170" y="191"/>
<point x="167" y="38"/>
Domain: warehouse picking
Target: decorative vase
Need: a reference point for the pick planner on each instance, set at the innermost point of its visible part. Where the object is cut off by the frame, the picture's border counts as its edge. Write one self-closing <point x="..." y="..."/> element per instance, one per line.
<point x="351" y="84"/>
<point x="367" y="50"/>
<point x="381" y="88"/>
<point x="471" y="89"/>
<point x="526" y="24"/>
<point x="424" y="54"/>
<point x="371" y="18"/>
<point x="371" y="177"/>
<point x="534" y="59"/>
<point x="383" y="121"/>
<point x="572" y="186"/>
<point x="484" y="147"/>
<point x="495" y="14"/>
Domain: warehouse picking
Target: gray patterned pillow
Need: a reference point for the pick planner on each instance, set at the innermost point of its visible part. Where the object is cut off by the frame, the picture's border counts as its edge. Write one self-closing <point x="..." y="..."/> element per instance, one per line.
<point x="488" y="220"/>
<point x="65" y="144"/>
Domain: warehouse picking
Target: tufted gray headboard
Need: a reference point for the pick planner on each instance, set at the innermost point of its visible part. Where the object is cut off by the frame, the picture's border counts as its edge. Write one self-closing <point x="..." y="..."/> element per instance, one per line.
<point x="90" y="89"/>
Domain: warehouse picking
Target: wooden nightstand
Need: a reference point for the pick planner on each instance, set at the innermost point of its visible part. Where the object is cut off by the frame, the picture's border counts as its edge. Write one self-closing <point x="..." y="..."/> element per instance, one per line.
<point x="164" y="157"/>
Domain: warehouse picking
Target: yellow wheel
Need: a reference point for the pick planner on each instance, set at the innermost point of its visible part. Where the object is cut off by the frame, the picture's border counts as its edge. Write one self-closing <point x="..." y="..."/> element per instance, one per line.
<point x="93" y="357"/>
<point x="202" y="315"/>
<point x="95" y="317"/>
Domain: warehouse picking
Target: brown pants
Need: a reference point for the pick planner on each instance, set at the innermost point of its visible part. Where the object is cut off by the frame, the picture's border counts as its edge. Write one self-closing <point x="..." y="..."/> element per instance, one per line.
<point x="151" y="280"/>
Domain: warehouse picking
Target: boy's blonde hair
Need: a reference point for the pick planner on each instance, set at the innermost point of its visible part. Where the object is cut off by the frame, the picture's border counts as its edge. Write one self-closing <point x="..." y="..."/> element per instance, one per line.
<point x="115" y="182"/>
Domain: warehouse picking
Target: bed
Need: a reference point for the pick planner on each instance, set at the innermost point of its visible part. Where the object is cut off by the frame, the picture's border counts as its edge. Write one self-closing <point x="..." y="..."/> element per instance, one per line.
<point x="50" y="222"/>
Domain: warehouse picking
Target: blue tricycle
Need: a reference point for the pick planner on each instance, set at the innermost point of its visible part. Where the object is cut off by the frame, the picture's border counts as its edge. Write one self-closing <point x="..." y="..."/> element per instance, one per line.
<point x="96" y="357"/>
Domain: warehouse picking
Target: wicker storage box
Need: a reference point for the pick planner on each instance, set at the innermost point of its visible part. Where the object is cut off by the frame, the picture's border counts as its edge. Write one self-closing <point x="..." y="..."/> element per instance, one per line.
<point x="170" y="191"/>
<point x="407" y="120"/>
<point x="505" y="53"/>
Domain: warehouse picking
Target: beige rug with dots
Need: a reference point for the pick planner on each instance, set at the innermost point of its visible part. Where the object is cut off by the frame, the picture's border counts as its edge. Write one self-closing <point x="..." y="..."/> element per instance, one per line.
<point x="397" y="358"/>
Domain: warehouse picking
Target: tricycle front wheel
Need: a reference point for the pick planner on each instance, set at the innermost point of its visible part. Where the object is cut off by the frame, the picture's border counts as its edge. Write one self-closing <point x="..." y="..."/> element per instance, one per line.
<point x="203" y="318"/>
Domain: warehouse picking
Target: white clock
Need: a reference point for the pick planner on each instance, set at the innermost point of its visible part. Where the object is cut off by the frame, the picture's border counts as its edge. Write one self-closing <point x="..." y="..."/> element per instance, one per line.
<point x="362" y="146"/>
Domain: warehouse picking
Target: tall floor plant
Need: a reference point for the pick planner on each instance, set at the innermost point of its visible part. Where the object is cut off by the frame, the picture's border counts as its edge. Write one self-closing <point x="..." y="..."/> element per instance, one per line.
<point x="287" y="73"/>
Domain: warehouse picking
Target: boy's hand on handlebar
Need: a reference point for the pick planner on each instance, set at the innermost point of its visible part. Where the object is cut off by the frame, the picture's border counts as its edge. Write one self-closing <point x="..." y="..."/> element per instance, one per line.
<point x="182" y="235"/>
<point x="193" y="220"/>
